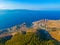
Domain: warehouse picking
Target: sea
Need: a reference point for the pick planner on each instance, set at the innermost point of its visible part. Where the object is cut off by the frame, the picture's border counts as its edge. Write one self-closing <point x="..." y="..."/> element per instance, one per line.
<point x="9" y="18"/>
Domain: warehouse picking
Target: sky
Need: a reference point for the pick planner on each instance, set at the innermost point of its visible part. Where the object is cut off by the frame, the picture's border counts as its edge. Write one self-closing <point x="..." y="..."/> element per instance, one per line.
<point x="30" y="4"/>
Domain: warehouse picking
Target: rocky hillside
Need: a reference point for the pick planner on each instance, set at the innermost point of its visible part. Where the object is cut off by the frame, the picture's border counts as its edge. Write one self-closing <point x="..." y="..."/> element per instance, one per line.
<point x="52" y="26"/>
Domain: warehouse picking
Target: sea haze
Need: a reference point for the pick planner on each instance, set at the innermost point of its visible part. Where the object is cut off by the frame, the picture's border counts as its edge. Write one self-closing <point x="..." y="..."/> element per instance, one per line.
<point x="10" y="18"/>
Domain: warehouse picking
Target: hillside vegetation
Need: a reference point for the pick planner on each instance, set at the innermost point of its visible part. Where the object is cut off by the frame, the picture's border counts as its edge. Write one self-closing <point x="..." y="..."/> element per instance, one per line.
<point x="38" y="38"/>
<point x="41" y="37"/>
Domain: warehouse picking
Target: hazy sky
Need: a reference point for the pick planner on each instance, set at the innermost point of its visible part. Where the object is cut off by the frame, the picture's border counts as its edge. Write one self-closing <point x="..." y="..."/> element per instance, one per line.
<point x="30" y="4"/>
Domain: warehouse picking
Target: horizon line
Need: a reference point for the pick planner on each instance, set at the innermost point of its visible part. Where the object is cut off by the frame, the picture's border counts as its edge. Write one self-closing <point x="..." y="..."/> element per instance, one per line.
<point x="35" y="9"/>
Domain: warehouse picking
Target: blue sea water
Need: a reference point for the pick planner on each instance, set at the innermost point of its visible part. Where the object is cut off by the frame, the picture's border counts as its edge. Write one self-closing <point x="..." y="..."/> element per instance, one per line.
<point x="10" y="18"/>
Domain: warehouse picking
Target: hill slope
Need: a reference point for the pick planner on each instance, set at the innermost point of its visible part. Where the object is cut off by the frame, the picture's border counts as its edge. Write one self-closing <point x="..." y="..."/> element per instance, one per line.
<point x="37" y="38"/>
